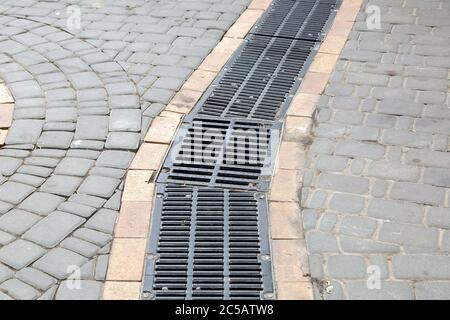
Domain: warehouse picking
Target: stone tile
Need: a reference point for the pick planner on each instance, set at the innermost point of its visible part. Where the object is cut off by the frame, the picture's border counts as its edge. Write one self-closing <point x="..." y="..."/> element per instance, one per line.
<point x="121" y="290"/>
<point x="323" y="63"/>
<point x="53" y="229"/>
<point x="6" y="113"/>
<point x="199" y="80"/>
<point x="162" y="130"/>
<point x="314" y="82"/>
<point x="285" y="220"/>
<point x="294" y="290"/>
<point x="284" y="186"/>
<point x="103" y="221"/>
<point x="99" y="186"/>
<point x="115" y="159"/>
<point x="74" y="166"/>
<point x="59" y="262"/>
<point x="303" y="105"/>
<point x="41" y="203"/>
<point x="286" y="257"/>
<point x="149" y="157"/>
<point x="14" y="192"/>
<point x="127" y="260"/>
<point x="134" y="219"/>
<point x="24" y="131"/>
<point x="36" y="278"/>
<point x="9" y="165"/>
<point x="17" y="221"/>
<point x="20" y="253"/>
<point x="61" y="185"/>
<point x="184" y="101"/>
<point x="138" y="186"/>
<point x="88" y="290"/>
<point x="19" y="290"/>
<point x="125" y="120"/>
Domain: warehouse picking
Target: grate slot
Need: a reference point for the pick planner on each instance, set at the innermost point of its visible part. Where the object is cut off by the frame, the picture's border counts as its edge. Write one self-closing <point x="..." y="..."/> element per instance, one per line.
<point x="235" y="154"/>
<point x="219" y="257"/>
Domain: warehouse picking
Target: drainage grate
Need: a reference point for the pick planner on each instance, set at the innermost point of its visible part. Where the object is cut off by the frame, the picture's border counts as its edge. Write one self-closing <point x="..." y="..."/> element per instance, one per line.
<point x="209" y="236"/>
<point x="223" y="152"/>
<point x="296" y="19"/>
<point x="208" y="243"/>
<point x="257" y="83"/>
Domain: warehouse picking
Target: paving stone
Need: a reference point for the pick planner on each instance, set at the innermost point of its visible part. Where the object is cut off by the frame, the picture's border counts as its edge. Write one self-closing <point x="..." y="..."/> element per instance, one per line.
<point x="19" y="290"/>
<point x="421" y="267"/>
<point x="358" y="226"/>
<point x="27" y="179"/>
<point x="41" y="203"/>
<point x="92" y="127"/>
<point x="9" y="165"/>
<point x="74" y="166"/>
<point x="17" y="221"/>
<point x="77" y="208"/>
<point x="321" y="242"/>
<point x="14" y="192"/>
<point x="59" y="262"/>
<point x="5" y="238"/>
<point x="395" y="210"/>
<point x="347" y="267"/>
<point x="96" y="237"/>
<point x="358" y="245"/>
<point x="82" y="247"/>
<point x="410" y="235"/>
<point x="417" y="193"/>
<point x="432" y="290"/>
<point x="438" y="217"/>
<point x="125" y="120"/>
<point x="53" y="229"/>
<point x="61" y="185"/>
<point x="123" y="140"/>
<point x="35" y="278"/>
<point x="393" y="171"/>
<point x="99" y="186"/>
<point x="115" y="159"/>
<point x="5" y="273"/>
<point x="20" y="253"/>
<point x="101" y="267"/>
<point x="55" y="139"/>
<point x="104" y="221"/>
<point x="389" y="290"/>
<point x="88" y="290"/>
<point x="346" y="203"/>
<point x="343" y="183"/>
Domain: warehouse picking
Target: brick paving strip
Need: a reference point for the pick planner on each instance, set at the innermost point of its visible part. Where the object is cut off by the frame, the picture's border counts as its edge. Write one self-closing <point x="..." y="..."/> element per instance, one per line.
<point x="84" y="100"/>
<point x="375" y="194"/>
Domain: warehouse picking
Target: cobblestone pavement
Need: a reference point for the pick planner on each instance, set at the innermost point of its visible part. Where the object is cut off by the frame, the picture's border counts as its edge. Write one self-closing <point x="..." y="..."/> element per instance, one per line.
<point x="83" y="101"/>
<point x="376" y="197"/>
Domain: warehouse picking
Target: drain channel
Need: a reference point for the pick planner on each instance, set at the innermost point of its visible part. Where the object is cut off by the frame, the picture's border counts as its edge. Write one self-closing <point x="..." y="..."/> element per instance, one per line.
<point x="210" y="236"/>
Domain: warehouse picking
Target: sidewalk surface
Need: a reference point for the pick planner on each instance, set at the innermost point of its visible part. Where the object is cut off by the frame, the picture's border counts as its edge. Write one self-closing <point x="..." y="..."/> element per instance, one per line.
<point x="376" y="194"/>
<point x="87" y="78"/>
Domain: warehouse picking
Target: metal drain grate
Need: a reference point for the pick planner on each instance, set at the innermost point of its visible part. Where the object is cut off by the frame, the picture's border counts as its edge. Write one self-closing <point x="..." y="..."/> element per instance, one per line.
<point x="296" y="19"/>
<point x="223" y="152"/>
<point x="208" y="244"/>
<point x="209" y="236"/>
<point x="258" y="82"/>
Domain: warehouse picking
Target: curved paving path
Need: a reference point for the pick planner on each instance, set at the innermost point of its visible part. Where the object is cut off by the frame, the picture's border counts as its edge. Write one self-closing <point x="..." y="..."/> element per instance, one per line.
<point x="83" y="101"/>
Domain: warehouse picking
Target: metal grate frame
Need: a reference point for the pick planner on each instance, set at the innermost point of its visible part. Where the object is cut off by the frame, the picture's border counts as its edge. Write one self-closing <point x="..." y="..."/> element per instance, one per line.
<point x="208" y="243"/>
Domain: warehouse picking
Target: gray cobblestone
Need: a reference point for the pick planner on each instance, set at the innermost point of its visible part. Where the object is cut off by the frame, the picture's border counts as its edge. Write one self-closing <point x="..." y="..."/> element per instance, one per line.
<point x="20" y="253"/>
<point x="409" y="235"/>
<point x="418" y="193"/>
<point x="57" y="261"/>
<point x="421" y="267"/>
<point x="346" y="267"/>
<point x="52" y="229"/>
